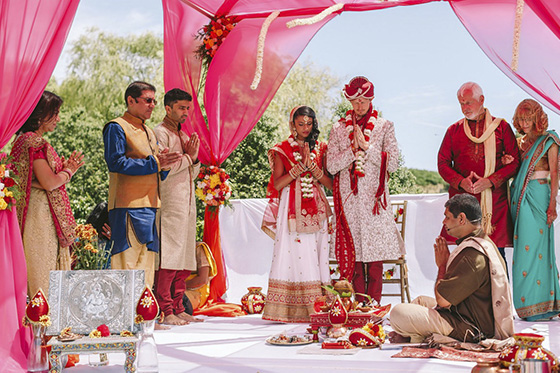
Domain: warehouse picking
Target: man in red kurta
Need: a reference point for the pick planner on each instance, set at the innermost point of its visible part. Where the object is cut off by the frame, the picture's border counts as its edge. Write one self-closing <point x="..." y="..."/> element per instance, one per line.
<point x="469" y="159"/>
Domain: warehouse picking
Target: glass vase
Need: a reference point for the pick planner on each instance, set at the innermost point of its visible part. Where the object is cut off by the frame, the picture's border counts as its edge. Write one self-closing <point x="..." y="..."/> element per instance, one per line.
<point x="37" y="358"/>
<point x="147" y="359"/>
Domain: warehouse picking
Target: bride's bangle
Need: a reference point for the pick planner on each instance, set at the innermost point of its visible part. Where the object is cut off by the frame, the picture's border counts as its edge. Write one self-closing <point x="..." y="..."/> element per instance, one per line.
<point x="68" y="175"/>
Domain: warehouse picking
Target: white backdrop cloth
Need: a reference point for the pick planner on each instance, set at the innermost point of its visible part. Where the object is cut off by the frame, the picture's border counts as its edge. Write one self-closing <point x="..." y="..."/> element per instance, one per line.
<point x="248" y="250"/>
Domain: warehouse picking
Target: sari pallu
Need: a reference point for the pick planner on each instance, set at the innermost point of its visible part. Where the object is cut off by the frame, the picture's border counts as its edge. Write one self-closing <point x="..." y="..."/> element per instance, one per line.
<point x="536" y="291"/>
<point x="25" y="146"/>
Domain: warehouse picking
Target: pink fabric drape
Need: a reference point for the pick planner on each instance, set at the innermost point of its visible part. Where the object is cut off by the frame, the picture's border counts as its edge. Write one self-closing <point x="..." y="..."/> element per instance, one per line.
<point x="231" y="106"/>
<point x="32" y="34"/>
<point x="14" y="343"/>
<point x="491" y="24"/>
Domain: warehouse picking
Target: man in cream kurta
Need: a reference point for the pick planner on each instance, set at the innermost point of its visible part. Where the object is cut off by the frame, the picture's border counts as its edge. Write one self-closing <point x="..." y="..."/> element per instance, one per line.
<point x="178" y="210"/>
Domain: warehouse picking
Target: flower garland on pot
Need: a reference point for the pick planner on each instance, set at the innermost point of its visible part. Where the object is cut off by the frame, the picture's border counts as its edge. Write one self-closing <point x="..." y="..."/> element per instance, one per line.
<point x="213" y="187"/>
<point x="212" y="36"/>
<point x="360" y="154"/>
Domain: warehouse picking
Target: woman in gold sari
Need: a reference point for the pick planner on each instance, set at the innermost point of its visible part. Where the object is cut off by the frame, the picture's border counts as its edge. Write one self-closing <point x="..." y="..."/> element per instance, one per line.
<point x="44" y="214"/>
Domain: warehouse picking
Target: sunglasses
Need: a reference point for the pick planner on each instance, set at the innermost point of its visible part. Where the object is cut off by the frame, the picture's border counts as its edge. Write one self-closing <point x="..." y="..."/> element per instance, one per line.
<point x="148" y="100"/>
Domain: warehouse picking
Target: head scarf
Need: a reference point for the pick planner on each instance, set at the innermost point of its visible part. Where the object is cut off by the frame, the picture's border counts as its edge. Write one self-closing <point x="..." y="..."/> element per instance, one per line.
<point x="358" y="87"/>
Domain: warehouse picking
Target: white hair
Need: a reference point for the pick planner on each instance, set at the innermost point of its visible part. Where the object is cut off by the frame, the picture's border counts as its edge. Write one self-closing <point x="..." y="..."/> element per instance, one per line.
<point x="470" y="86"/>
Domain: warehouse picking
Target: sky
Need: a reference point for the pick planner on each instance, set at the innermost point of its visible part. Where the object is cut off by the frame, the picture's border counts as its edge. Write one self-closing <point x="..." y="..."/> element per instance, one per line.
<point x="416" y="56"/>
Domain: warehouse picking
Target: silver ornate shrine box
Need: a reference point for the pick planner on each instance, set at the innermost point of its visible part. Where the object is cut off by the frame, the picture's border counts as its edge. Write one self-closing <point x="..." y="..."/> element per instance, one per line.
<point x="85" y="299"/>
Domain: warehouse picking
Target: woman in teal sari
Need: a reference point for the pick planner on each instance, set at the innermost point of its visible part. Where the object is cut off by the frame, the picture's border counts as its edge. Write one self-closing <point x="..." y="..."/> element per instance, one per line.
<point x="536" y="292"/>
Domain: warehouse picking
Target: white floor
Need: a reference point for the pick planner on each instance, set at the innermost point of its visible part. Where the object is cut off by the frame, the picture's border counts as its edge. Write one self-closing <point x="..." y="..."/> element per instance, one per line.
<point x="238" y="345"/>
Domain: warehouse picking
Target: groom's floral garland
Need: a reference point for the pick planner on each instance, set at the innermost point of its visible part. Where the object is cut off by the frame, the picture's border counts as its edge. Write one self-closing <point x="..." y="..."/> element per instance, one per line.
<point x="306" y="177"/>
<point x="360" y="154"/>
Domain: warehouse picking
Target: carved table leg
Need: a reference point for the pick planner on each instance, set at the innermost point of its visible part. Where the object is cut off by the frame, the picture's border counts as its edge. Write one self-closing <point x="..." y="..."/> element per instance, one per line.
<point x="54" y="358"/>
<point x="130" y="357"/>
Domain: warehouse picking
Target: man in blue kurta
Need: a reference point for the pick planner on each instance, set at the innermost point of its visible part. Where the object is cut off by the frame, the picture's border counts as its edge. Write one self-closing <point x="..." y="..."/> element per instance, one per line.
<point x="135" y="168"/>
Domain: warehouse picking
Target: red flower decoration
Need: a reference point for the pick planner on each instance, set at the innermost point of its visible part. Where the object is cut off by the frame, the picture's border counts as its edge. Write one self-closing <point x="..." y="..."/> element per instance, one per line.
<point x="104" y="330"/>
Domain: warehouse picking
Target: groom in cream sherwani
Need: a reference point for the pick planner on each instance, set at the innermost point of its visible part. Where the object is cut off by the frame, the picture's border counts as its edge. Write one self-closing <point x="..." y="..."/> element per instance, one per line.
<point x="178" y="210"/>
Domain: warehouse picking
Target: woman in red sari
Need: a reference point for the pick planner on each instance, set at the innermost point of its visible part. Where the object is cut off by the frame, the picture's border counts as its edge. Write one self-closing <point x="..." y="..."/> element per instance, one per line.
<point x="45" y="217"/>
<point x="296" y="218"/>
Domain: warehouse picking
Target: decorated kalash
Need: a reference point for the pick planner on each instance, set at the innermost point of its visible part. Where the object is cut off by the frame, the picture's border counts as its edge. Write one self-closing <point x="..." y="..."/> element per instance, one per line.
<point x="141" y="350"/>
<point x="348" y="323"/>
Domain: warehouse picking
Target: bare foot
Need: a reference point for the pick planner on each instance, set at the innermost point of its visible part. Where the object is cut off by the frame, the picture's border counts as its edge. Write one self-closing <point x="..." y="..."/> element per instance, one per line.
<point x="174" y="320"/>
<point x="159" y="326"/>
<point x="394" y="337"/>
<point x="188" y="318"/>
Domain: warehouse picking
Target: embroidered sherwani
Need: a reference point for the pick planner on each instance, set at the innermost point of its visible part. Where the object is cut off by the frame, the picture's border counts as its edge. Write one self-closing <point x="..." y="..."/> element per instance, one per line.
<point x="375" y="237"/>
<point x="458" y="156"/>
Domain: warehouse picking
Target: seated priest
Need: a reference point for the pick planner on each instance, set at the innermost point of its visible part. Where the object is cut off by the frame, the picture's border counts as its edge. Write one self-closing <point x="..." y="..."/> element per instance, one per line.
<point x="472" y="296"/>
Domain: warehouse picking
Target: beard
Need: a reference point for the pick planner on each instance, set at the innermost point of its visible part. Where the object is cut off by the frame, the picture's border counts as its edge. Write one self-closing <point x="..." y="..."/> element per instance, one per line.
<point x="475" y="116"/>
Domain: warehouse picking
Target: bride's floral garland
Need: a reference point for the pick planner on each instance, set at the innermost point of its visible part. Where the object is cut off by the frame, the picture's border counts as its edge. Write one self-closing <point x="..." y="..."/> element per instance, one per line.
<point x="306" y="177"/>
<point x="360" y="154"/>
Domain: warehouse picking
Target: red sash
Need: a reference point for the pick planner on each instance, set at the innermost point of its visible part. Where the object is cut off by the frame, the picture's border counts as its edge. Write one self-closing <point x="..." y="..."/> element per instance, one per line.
<point x="344" y="244"/>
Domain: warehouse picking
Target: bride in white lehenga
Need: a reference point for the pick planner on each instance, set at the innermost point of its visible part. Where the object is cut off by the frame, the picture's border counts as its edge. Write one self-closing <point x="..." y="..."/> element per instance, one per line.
<point x="297" y="219"/>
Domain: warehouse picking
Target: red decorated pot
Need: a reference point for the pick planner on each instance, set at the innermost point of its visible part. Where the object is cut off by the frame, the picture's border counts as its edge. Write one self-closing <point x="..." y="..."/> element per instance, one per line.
<point x="253" y="301"/>
<point x="527" y="346"/>
<point x="147" y="308"/>
<point x="37" y="308"/>
<point x="338" y="315"/>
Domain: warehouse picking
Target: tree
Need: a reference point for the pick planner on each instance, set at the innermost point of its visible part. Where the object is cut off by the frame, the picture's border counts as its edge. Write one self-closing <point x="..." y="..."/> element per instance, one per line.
<point x="101" y="67"/>
<point x="248" y="164"/>
<point x="309" y="85"/>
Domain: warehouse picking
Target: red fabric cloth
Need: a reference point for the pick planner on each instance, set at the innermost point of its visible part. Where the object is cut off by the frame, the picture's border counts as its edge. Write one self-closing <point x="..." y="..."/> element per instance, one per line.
<point x="170" y="286"/>
<point x="211" y="236"/>
<point x="458" y="156"/>
<point x="539" y="42"/>
<point x="380" y="197"/>
<point x="220" y="309"/>
<point x="344" y="243"/>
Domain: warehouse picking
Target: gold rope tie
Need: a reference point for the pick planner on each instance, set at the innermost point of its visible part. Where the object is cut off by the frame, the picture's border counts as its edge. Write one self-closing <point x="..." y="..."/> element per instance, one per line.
<point x="316" y="18"/>
<point x="260" y="48"/>
<point x="517" y="34"/>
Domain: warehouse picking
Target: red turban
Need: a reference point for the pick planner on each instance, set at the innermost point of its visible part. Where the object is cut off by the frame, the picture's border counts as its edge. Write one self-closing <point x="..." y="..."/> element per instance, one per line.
<point x="358" y="87"/>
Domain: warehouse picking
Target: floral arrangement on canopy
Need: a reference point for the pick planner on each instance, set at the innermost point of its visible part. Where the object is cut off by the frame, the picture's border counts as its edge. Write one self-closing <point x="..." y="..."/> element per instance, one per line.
<point x="212" y="36"/>
<point x="87" y="252"/>
<point x="8" y="183"/>
<point x="213" y="187"/>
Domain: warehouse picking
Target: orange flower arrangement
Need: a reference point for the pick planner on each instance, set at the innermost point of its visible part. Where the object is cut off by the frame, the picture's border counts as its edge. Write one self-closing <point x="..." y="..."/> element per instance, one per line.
<point x="86" y="252"/>
<point x="213" y="35"/>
